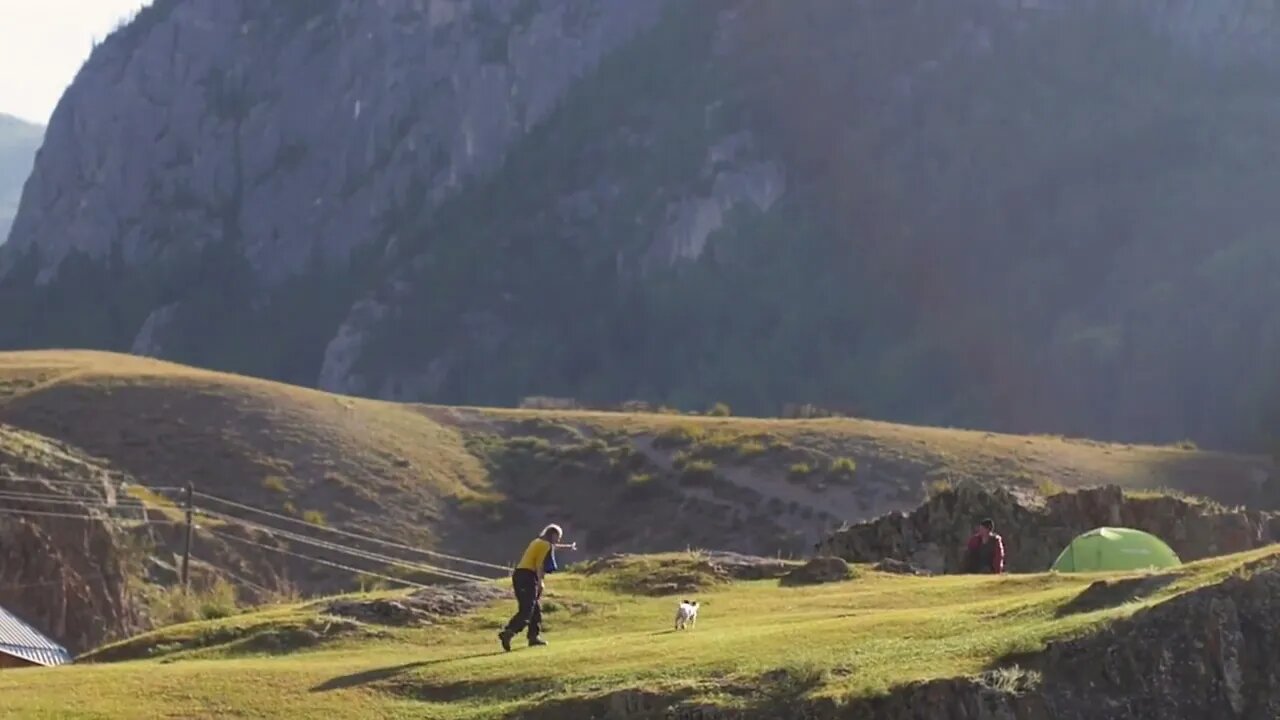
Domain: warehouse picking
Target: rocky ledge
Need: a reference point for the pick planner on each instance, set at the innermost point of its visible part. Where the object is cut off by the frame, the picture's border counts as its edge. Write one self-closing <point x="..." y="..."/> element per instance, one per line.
<point x="932" y="537"/>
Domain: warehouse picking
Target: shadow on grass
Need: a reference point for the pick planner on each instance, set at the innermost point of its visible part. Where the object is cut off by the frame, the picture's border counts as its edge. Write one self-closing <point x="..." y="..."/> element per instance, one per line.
<point x="345" y="682"/>
<point x="1105" y="594"/>
<point x="775" y="694"/>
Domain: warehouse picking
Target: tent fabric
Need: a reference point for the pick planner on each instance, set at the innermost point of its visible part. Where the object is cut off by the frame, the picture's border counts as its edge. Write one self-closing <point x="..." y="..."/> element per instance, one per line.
<point x="1109" y="549"/>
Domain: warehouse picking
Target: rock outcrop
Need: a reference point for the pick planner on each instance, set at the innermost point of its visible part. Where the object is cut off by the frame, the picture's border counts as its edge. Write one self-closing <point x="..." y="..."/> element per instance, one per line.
<point x="819" y="570"/>
<point x="68" y="577"/>
<point x="933" y="535"/>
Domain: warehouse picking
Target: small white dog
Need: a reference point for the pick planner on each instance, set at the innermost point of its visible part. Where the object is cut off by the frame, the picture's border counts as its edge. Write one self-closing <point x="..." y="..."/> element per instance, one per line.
<point x="687" y="614"/>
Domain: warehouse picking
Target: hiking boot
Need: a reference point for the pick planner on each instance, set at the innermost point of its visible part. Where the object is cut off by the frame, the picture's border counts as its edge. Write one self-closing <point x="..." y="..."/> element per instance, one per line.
<point x="537" y="642"/>
<point x="504" y="637"/>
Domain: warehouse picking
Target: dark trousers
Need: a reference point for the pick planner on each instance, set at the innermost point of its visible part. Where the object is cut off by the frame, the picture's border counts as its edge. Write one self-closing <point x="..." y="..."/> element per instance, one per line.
<point x="528" y="594"/>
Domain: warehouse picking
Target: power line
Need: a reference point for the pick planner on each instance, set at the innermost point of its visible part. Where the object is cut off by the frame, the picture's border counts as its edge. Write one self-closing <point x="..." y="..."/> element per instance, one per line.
<point x="234" y="576"/>
<point x="118" y="484"/>
<point x="357" y="536"/>
<point x="67" y="500"/>
<point x="98" y="518"/>
<point x="49" y="583"/>
<point x="355" y="552"/>
<point x="321" y="561"/>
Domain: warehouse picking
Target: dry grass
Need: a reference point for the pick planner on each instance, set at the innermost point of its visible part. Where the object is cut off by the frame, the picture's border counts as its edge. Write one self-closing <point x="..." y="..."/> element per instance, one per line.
<point x="164" y="424"/>
<point x="911" y="455"/>
<point x="422" y="473"/>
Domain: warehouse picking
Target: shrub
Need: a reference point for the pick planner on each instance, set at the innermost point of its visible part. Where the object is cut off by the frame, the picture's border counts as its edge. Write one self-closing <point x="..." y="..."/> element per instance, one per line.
<point x="751" y="449"/>
<point x="173" y="605"/>
<point x="315" y="517"/>
<point x="843" y="466"/>
<point x="679" y="436"/>
<point x="1047" y="487"/>
<point x="799" y="472"/>
<point x="276" y="484"/>
<point x="487" y="505"/>
<point x="698" y="471"/>
<point x="529" y="443"/>
<point x="720" y="410"/>
<point x="682" y="458"/>
<point x="940" y="486"/>
<point x="639" y="479"/>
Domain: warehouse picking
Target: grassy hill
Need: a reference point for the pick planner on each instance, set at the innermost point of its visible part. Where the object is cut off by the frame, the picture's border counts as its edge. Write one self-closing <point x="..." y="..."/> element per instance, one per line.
<point x="478" y="481"/>
<point x="758" y="646"/>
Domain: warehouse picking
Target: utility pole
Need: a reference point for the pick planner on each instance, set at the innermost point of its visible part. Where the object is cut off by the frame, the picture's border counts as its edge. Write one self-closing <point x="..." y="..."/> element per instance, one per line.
<point x="186" y="545"/>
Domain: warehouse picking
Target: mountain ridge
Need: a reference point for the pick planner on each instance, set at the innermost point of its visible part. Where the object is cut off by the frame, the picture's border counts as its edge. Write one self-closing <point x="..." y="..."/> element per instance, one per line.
<point x="19" y="141"/>
<point x="1074" y="244"/>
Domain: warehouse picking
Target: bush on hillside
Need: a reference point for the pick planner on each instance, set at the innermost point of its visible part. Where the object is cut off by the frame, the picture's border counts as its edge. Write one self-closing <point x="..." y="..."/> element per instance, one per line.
<point x="679" y="436"/>
<point x="799" y="472"/>
<point x="843" y="468"/>
<point x="720" y="410"/>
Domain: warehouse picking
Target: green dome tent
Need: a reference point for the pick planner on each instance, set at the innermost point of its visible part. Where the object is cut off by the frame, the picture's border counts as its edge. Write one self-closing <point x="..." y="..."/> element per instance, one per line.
<point x="1111" y="549"/>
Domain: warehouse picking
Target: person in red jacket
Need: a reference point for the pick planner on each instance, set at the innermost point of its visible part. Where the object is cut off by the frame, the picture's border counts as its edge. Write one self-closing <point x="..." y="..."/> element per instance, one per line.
<point x="985" y="553"/>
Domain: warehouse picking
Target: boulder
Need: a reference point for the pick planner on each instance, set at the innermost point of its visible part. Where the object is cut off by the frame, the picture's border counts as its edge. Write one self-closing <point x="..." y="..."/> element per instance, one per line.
<point x="899" y="567"/>
<point x="819" y="570"/>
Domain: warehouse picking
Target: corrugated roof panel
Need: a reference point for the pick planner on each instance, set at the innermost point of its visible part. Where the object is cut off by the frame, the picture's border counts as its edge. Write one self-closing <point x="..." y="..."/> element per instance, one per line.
<point x="23" y="641"/>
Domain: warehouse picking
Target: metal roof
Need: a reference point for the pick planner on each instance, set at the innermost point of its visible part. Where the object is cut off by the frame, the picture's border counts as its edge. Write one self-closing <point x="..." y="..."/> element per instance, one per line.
<point x="23" y="641"/>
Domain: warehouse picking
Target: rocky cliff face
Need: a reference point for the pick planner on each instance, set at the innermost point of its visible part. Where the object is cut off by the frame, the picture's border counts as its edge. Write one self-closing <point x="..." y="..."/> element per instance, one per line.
<point x="682" y="202"/>
<point x="72" y="578"/>
<point x="933" y="535"/>
<point x="295" y="129"/>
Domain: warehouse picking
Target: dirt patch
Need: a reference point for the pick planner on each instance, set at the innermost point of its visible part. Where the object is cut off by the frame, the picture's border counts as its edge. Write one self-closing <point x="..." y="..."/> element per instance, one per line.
<point x="1110" y="593"/>
<point x="423" y="607"/>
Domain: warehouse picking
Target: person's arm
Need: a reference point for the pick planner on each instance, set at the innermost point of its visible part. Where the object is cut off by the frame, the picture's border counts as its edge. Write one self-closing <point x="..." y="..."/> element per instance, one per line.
<point x="997" y="556"/>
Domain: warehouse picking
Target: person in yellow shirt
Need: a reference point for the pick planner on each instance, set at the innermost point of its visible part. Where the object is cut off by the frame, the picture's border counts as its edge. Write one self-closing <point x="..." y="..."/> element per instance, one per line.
<point x="538" y="560"/>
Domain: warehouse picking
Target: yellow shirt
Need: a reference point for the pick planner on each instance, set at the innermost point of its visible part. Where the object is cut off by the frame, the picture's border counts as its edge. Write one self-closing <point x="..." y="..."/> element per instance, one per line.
<point x="535" y="555"/>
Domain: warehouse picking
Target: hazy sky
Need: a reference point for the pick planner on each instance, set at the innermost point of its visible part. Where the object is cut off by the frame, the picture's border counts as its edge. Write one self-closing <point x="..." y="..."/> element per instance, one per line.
<point x="42" y="45"/>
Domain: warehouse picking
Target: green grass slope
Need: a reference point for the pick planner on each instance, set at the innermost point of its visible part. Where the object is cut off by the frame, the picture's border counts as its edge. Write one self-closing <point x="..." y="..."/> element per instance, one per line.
<point x="756" y="643"/>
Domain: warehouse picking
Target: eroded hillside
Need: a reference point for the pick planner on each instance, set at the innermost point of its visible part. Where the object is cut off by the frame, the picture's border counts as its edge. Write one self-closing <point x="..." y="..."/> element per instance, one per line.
<point x="476" y="482"/>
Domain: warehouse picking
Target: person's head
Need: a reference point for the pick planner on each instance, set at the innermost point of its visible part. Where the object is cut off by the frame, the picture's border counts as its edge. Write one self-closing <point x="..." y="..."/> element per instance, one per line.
<point x="986" y="527"/>
<point x="552" y="533"/>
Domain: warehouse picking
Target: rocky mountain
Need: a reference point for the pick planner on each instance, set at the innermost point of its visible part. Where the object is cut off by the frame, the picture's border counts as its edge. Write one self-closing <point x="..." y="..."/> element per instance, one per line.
<point x="1029" y="215"/>
<point x="19" y="141"/>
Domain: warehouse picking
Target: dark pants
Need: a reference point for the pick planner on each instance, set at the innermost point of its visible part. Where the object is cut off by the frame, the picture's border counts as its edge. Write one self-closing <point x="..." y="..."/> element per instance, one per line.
<point x="528" y="593"/>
